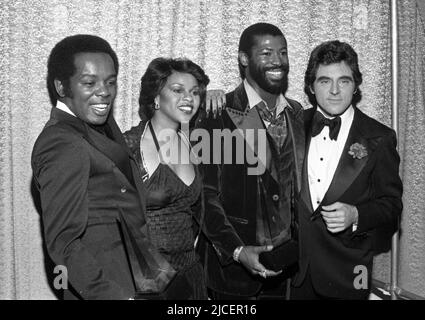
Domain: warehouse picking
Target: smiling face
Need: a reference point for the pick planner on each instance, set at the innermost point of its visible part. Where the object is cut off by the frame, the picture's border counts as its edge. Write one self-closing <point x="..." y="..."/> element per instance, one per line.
<point x="92" y="88"/>
<point x="334" y="88"/>
<point x="178" y="100"/>
<point x="267" y="65"/>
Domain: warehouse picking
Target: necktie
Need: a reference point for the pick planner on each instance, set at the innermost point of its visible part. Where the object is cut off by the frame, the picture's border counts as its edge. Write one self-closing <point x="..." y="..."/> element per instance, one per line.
<point x="319" y="121"/>
<point x="277" y="128"/>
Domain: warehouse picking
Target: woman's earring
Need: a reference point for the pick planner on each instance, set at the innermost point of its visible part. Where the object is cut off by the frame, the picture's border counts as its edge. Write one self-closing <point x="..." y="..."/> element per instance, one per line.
<point x="156" y="106"/>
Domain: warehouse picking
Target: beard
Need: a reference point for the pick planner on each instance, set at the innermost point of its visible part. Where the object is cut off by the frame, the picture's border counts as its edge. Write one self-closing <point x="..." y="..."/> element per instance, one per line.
<point x="270" y="85"/>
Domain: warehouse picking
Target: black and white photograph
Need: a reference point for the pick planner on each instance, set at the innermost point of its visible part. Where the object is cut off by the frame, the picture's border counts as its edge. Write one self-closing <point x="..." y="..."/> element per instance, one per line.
<point x="220" y="152"/>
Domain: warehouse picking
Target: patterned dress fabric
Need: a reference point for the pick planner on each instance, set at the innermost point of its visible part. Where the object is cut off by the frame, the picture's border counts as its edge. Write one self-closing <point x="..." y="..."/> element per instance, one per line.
<point x="170" y="204"/>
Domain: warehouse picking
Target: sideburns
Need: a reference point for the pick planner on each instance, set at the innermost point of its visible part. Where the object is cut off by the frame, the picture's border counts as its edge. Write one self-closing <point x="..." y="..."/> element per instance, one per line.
<point x="67" y="89"/>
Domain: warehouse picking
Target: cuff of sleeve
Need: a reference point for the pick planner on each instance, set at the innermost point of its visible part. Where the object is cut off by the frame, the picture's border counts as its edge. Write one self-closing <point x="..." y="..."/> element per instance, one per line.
<point x="355" y="223"/>
<point x="236" y="253"/>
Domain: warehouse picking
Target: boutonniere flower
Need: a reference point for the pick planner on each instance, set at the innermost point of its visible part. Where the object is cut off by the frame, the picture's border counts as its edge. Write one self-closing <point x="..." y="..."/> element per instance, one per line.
<point x="357" y="151"/>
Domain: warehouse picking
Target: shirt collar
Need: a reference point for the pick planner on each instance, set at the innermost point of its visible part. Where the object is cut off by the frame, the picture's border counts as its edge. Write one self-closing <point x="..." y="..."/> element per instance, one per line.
<point x="254" y="98"/>
<point x="62" y="106"/>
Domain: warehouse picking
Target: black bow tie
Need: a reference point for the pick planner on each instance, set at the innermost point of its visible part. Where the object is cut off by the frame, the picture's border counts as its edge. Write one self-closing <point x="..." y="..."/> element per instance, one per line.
<point x="319" y="121"/>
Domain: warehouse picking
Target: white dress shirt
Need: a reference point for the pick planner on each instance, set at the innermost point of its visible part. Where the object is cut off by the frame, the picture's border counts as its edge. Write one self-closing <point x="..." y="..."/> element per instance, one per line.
<point x="62" y="106"/>
<point x="324" y="155"/>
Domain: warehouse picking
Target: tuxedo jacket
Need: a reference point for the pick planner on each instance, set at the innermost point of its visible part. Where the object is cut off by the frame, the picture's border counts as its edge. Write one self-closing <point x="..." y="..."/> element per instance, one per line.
<point x="231" y="193"/>
<point x="373" y="185"/>
<point x="85" y="179"/>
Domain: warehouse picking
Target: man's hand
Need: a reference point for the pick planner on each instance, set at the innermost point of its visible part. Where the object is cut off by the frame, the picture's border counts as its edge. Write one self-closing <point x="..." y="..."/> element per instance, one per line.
<point x="249" y="259"/>
<point x="339" y="216"/>
<point x="215" y="101"/>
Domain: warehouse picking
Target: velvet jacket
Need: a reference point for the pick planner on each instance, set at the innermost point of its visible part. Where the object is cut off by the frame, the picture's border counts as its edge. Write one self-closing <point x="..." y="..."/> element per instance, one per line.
<point x="232" y="192"/>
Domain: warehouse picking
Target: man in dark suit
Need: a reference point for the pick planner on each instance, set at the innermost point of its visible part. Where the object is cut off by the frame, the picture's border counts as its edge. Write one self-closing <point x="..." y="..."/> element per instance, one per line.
<point x="351" y="191"/>
<point x="84" y="173"/>
<point x="256" y="198"/>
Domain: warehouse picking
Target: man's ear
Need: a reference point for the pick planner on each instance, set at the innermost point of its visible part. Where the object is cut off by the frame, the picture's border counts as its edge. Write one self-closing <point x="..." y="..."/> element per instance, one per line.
<point x="60" y="89"/>
<point x="243" y="58"/>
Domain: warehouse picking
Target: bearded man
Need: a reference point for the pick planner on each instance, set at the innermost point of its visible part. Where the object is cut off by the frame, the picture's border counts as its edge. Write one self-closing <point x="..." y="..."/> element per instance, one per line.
<point x="260" y="205"/>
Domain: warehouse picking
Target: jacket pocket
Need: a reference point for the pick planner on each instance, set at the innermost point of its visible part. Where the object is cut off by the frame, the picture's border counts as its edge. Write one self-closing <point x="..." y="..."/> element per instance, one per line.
<point x="360" y="241"/>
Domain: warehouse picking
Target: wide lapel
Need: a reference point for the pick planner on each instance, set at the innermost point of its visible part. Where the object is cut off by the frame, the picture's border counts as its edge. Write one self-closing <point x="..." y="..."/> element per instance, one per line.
<point x="305" y="189"/>
<point x="245" y="118"/>
<point x="116" y="150"/>
<point x="110" y="148"/>
<point x="135" y="169"/>
<point x="297" y="132"/>
<point x="348" y="167"/>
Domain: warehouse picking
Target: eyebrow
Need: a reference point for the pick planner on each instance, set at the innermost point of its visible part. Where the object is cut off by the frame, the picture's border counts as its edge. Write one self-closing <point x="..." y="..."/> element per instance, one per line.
<point x="271" y="49"/>
<point x="340" y="78"/>
<point x="182" y="85"/>
<point x="114" y="75"/>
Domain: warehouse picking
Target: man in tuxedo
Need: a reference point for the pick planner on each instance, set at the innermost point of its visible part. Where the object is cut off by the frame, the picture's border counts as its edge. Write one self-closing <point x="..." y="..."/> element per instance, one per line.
<point x="84" y="173"/>
<point x="258" y="202"/>
<point x="351" y="191"/>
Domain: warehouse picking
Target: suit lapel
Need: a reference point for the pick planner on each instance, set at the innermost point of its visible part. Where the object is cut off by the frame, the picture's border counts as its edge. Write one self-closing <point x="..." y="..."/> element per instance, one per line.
<point x="136" y="171"/>
<point x="305" y="189"/>
<point x="121" y="155"/>
<point x="244" y="117"/>
<point x="298" y="141"/>
<point x="349" y="167"/>
<point x="111" y="148"/>
<point x="116" y="150"/>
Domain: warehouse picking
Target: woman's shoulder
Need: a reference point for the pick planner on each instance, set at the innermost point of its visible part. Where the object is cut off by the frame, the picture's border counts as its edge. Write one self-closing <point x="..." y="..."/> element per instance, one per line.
<point x="132" y="136"/>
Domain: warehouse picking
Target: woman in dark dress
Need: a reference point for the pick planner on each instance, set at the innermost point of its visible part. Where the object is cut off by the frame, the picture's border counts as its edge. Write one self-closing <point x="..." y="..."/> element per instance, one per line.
<point x="171" y="93"/>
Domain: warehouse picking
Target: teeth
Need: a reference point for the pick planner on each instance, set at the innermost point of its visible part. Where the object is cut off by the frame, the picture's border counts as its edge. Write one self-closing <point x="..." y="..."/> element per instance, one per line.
<point x="100" y="106"/>
<point x="186" y="109"/>
<point x="275" y="73"/>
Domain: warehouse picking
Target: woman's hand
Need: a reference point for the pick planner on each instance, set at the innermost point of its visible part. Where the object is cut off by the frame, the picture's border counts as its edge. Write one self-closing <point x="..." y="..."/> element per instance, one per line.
<point x="215" y="102"/>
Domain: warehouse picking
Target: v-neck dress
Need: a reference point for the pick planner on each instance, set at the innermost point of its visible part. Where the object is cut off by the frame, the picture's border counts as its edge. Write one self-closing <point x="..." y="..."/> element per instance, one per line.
<point x="169" y="216"/>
